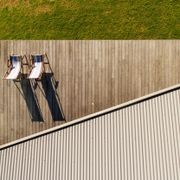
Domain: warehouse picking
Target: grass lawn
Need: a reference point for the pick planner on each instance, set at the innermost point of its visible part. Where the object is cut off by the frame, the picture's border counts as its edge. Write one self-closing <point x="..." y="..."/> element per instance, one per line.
<point x="94" y="19"/>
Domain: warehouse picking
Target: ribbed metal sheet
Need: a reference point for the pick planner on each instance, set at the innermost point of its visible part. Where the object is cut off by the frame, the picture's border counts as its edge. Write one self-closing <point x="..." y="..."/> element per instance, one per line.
<point x="137" y="142"/>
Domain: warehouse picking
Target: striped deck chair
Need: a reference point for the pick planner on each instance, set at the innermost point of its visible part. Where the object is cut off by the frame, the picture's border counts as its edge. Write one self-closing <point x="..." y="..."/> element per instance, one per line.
<point x="14" y="67"/>
<point x="37" y="66"/>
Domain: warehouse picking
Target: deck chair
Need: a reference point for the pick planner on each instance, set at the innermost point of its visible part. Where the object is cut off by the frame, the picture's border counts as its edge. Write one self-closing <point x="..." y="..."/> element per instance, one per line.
<point x="14" y="67"/>
<point x="37" y="66"/>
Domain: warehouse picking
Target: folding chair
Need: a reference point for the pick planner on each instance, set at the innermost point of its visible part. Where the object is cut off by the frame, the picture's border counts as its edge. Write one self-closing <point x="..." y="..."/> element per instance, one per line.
<point x="14" y="67"/>
<point x="37" y="66"/>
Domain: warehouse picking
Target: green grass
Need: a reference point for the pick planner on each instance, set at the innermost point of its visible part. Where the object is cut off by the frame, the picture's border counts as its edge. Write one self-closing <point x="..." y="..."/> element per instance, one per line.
<point x="95" y="19"/>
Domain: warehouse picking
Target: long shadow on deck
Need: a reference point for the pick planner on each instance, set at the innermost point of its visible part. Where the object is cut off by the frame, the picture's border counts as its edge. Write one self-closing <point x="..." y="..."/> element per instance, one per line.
<point x="49" y="87"/>
<point x="31" y="100"/>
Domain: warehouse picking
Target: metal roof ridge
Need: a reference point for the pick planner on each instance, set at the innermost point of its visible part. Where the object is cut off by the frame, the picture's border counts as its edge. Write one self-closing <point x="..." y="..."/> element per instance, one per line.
<point x="93" y="115"/>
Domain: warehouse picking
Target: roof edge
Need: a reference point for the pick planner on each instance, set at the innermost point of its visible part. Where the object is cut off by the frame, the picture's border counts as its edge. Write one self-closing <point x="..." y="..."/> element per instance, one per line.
<point x="85" y="118"/>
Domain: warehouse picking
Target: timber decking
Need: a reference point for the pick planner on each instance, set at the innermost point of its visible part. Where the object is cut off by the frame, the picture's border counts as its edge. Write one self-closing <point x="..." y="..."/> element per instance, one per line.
<point x="92" y="75"/>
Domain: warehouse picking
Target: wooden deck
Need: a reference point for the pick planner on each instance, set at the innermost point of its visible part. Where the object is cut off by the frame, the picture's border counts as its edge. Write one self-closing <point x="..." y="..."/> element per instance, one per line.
<point x="92" y="75"/>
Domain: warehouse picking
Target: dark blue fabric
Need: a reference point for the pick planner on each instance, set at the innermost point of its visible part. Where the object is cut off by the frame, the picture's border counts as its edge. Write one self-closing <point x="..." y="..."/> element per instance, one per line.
<point x="37" y="58"/>
<point x="14" y="58"/>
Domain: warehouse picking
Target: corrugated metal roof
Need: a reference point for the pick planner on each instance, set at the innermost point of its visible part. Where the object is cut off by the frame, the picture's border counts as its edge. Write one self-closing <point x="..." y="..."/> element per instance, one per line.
<point x="136" y="140"/>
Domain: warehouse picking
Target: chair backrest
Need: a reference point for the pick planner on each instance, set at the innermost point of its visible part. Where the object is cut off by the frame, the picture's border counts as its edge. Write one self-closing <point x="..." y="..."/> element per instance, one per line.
<point x="14" y="59"/>
<point x="37" y="58"/>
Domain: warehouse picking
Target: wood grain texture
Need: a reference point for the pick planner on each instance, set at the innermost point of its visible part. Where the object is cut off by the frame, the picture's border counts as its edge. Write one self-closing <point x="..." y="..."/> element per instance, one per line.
<point x="92" y="75"/>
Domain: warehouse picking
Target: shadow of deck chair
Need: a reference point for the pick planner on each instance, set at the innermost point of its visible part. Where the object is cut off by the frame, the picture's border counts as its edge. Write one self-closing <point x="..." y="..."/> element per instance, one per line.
<point x="40" y="73"/>
<point x="49" y="86"/>
<point x="14" y="67"/>
<point x="31" y="100"/>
